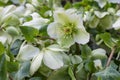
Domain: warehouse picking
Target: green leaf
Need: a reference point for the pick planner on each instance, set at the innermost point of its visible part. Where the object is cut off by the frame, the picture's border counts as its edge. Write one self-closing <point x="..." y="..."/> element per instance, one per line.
<point x="15" y="46"/>
<point x="1" y="48"/>
<point x="12" y="66"/>
<point x="106" y="22"/>
<point x="23" y="71"/>
<point x="68" y="5"/>
<point x="85" y="51"/>
<point x="108" y="74"/>
<point x="29" y="32"/>
<point x="106" y="37"/>
<point x="3" y="67"/>
<point x="44" y="70"/>
<point x="75" y="59"/>
<point x="81" y="73"/>
<point x="89" y="66"/>
<point x="35" y="78"/>
<point x="94" y="22"/>
<point x="43" y="31"/>
<point x="4" y="1"/>
<point x="60" y="74"/>
<point x="70" y="71"/>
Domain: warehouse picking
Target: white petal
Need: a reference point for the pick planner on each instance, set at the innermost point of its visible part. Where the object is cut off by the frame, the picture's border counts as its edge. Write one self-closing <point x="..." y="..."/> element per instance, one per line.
<point x="101" y="14"/>
<point x="61" y="16"/>
<point x="118" y="13"/>
<point x="37" y="21"/>
<point x="52" y="59"/>
<point x="3" y="39"/>
<point x="114" y="1"/>
<point x="54" y="30"/>
<point x="35" y="3"/>
<point x="8" y="9"/>
<point x="71" y="11"/>
<point x="56" y="47"/>
<point x="81" y="37"/>
<point x="101" y="3"/>
<point x="76" y="20"/>
<point x="19" y="11"/>
<point x="66" y="41"/>
<point x="27" y="52"/>
<point x="36" y="62"/>
<point x="99" y="51"/>
<point x="116" y="25"/>
<point x="111" y="10"/>
<point x="98" y="63"/>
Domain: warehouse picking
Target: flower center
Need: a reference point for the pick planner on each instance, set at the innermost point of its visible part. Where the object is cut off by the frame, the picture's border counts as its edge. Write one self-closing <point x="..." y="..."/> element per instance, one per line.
<point x="69" y="29"/>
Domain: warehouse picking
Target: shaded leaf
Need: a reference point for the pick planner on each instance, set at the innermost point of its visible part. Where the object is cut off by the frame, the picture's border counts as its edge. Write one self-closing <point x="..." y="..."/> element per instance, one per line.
<point x="60" y="74"/>
<point x="29" y="32"/>
<point x="1" y="48"/>
<point x="108" y="74"/>
<point x="106" y="37"/>
<point x="3" y="67"/>
<point x="70" y="72"/>
<point x="16" y="46"/>
<point x="23" y="71"/>
<point x="12" y="66"/>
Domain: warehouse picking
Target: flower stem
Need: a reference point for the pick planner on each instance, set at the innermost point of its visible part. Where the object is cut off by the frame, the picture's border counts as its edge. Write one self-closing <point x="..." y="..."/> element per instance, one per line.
<point x="110" y="57"/>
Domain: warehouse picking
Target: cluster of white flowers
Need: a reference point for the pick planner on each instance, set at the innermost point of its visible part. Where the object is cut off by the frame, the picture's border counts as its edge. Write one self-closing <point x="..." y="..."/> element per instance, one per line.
<point x="67" y="28"/>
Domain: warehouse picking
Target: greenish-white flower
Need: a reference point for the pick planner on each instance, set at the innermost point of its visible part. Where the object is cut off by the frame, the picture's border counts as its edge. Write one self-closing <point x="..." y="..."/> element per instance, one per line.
<point x="101" y="14"/>
<point x="5" y="38"/>
<point x="8" y="16"/>
<point x="99" y="53"/>
<point x="51" y="56"/>
<point x="68" y="28"/>
<point x="102" y="3"/>
<point x="36" y="22"/>
<point x="116" y="25"/>
<point x="98" y="64"/>
<point x="27" y="52"/>
<point x="101" y="19"/>
<point x="118" y="13"/>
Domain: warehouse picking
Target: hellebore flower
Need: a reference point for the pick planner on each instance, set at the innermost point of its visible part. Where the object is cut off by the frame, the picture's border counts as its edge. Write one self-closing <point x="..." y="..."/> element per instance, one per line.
<point x="51" y="56"/>
<point x="116" y="25"/>
<point x="102" y="3"/>
<point x="36" y="22"/>
<point x="68" y="28"/>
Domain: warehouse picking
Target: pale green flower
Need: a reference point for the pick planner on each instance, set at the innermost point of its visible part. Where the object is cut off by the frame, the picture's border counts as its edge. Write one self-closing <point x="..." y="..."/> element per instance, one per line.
<point x="27" y="52"/>
<point x="100" y="14"/>
<point x="101" y="19"/>
<point x="102" y="3"/>
<point x="118" y="13"/>
<point x="5" y="38"/>
<point x="8" y="15"/>
<point x="36" y="22"/>
<point x="99" y="53"/>
<point x="98" y="64"/>
<point x="116" y="25"/>
<point x="4" y="1"/>
<point x="51" y="56"/>
<point x="68" y="28"/>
